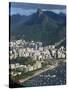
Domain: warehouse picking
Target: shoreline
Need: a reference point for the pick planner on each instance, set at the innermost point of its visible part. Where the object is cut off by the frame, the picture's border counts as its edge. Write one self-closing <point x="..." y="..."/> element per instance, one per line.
<point x="39" y="72"/>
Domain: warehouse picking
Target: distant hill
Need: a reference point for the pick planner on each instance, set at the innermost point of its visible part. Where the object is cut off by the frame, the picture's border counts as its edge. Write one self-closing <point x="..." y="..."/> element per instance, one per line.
<point x="45" y="26"/>
<point x="18" y="19"/>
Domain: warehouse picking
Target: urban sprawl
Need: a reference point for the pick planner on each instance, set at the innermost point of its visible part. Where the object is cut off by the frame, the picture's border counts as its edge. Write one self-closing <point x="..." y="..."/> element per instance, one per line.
<point x="36" y="51"/>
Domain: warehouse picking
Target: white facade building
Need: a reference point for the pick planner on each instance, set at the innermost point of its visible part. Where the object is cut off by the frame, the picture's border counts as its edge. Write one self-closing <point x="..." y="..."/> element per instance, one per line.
<point x="13" y="66"/>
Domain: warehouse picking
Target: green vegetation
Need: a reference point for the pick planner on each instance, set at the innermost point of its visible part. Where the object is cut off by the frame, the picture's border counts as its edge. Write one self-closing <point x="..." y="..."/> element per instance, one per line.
<point x="23" y="60"/>
<point x="24" y="75"/>
<point x="43" y="28"/>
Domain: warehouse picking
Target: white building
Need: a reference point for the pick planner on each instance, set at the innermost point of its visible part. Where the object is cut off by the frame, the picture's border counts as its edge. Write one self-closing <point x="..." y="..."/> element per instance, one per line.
<point x="37" y="65"/>
<point x="34" y="67"/>
<point x="63" y="55"/>
<point x="53" y="51"/>
<point x="18" y="41"/>
<point x="15" y="54"/>
<point x="19" y="73"/>
<point x="40" y="57"/>
<point x="12" y="66"/>
<point x="30" y="68"/>
<point x="11" y="56"/>
<point x="40" y="48"/>
<point x="17" y="65"/>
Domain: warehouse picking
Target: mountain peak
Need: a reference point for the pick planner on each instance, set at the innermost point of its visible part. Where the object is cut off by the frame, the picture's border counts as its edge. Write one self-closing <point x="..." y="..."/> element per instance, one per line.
<point x="39" y="12"/>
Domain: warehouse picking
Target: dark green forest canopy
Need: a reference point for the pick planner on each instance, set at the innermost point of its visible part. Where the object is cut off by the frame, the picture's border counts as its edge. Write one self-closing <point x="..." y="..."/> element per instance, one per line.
<point x="45" y="28"/>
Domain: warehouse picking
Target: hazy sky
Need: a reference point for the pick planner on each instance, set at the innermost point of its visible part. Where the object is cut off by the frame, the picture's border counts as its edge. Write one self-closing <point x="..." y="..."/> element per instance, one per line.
<point x="28" y="8"/>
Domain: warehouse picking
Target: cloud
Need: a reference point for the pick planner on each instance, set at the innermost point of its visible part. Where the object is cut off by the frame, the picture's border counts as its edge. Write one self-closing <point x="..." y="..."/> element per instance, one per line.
<point x="22" y="11"/>
<point x="34" y="6"/>
<point x="27" y="8"/>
